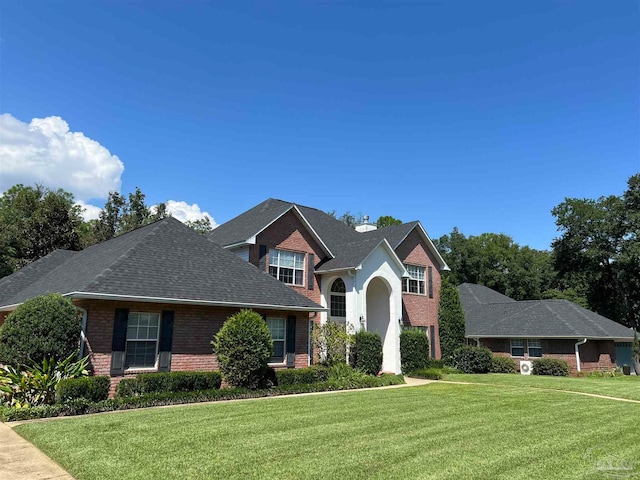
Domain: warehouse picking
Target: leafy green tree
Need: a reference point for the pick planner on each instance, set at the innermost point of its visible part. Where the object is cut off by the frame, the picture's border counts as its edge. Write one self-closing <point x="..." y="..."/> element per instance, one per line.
<point x="34" y="221"/>
<point x="46" y="326"/>
<point x="387" y="220"/>
<point x="202" y="225"/>
<point x="123" y="214"/>
<point x="348" y="218"/>
<point x="451" y="321"/>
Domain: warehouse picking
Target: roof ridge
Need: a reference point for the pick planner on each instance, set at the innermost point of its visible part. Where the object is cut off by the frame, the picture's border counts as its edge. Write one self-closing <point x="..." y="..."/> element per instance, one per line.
<point x="104" y="274"/>
<point x="579" y="311"/>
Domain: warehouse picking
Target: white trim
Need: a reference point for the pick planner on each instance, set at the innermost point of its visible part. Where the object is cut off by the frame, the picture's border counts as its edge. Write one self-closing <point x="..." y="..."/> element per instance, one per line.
<point x="393" y="256"/>
<point x="425" y="236"/>
<point x="157" y="341"/>
<point x="547" y="337"/>
<point x="136" y="298"/>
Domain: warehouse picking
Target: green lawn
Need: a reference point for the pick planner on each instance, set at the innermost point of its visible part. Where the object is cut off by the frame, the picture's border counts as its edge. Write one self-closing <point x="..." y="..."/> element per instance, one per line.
<point x="622" y="387"/>
<point x="435" y="431"/>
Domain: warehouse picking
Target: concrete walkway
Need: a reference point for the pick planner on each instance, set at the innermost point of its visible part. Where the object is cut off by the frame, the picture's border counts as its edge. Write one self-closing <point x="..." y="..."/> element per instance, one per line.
<point x="20" y="460"/>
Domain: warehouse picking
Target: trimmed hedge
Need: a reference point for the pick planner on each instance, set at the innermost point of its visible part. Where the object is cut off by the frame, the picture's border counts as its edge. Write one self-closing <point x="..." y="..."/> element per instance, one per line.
<point x="500" y="364"/>
<point x="366" y="352"/>
<point x="93" y="389"/>
<point x="470" y="359"/>
<point x="83" y="407"/>
<point x="550" y="366"/>
<point x="428" y="373"/>
<point x="168" y="382"/>
<point x="414" y="350"/>
<point x="302" y="376"/>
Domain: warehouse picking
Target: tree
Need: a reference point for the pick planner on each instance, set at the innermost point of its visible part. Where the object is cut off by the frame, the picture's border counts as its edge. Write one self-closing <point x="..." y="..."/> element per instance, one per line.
<point x="123" y="214"/>
<point x="348" y="218"/>
<point x="42" y="327"/>
<point x="34" y="221"/>
<point x="451" y="322"/>
<point x="387" y="220"/>
<point x="202" y="225"/>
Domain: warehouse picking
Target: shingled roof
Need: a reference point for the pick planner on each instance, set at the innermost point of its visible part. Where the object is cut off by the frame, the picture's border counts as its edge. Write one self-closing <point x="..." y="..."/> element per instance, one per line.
<point x="165" y="261"/>
<point x="345" y="247"/>
<point x="490" y="314"/>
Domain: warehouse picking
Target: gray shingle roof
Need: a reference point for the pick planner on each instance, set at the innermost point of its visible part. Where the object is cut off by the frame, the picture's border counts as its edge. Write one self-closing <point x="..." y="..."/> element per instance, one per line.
<point x="491" y="314"/>
<point x="165" y="260"/>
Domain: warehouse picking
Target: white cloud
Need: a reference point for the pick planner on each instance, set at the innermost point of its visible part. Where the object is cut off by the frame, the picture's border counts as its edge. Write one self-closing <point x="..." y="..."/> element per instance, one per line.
<point x="89" y="212"/>
<point x="185" y="212"/>
<point x="45" y="151"/>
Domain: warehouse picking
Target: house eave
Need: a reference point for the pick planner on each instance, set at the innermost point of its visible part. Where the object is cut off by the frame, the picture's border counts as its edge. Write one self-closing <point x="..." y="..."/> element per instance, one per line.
<point x="551" y="337"/>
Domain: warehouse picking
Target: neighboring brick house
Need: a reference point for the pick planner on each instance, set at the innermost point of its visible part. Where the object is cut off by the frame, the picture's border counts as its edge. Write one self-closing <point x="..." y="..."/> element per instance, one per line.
<point x="526" y="330"/>
<point x="152" y="299"/>
<point x="376" y="279"/>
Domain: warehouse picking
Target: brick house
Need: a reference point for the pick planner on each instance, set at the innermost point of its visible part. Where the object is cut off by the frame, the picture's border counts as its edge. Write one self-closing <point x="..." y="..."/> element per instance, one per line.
<point x="526" y="330"/>
<point x="152" y="299"/>
<point x="367" y="278"/>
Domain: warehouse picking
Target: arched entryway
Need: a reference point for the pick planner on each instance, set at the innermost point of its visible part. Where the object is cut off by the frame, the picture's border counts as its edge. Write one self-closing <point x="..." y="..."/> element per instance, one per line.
<point x="379" y="319"/>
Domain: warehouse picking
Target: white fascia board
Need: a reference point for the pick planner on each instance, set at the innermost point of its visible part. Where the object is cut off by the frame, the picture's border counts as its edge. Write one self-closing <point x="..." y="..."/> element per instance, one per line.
<point x="547" y="337"/>
<point x="249" y="241"/>
<point x="392" y="255"/>
<point x="186" y="301"/>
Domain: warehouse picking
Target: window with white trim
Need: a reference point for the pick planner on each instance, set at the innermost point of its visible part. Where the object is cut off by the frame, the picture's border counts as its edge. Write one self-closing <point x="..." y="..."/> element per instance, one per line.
<point x="338" y="299"/>
<point x="278" y="330"/>
<point x="415" y="284"/>
<point x="143" y="330"/>
<point x="517" y="347"/>
<point x="534" y="346"/>
<point x="287" y="267"/>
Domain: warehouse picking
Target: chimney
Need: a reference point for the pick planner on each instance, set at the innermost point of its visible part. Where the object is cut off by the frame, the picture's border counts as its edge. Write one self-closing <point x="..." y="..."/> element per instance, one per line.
<point x="366" y="226"/>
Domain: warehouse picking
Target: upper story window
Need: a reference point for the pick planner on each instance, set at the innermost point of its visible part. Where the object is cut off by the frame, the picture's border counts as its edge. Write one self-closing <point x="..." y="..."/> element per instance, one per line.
<point x="517" y="347"/>
<point x="415" y="284"/>
<point x="287" y="267"/>
<point x="338" y="298"/>
<point x="142" y="340"/>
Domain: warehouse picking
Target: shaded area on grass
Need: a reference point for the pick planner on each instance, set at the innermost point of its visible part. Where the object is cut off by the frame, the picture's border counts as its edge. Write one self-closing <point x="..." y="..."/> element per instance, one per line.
<point x="435" y="431"/>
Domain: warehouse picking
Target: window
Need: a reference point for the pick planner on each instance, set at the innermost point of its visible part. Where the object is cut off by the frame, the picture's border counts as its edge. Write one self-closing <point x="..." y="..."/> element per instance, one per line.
<point x="534" y="347"/>
<point x="415" y="284"/>
<point x="277" y="328"/>
<point x="338" y="299"/>
<point x="287" y="267"/>
<point x="517" y="347"/>
<point x="142" y="340"/>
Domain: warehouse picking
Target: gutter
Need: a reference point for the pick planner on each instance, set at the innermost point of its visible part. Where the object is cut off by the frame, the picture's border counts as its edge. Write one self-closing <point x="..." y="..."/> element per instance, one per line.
<point x="581" y="342"/>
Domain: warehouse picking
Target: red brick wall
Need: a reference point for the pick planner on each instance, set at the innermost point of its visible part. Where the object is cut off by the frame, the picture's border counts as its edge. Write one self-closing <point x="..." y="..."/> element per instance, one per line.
<point x="594" y="355"/>
<point x="420" y="310"/>
<point x="193" y="330"/>
<point x="289" y="233"/>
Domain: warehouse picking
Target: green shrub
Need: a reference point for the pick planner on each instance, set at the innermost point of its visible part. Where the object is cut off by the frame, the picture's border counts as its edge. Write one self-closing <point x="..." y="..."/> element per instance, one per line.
<point x="428" y="373"/>
<point x="47" y="326"/>
<point x="298" y="376"/>
<point x="128" y="387"/>
<point x="439" y="364"/>
<point x="366" y="352"/>
<point x="617" y="372"/>
<point x="331" y="340"/>
<point x="93" y="389"/>
<point x="414" y="350"/>
<point x="243" y="346"/>
<point x="451" y="321"/>
<point x="500" y="364"/>
<point x="550" y="366"/>
<point x="470" y="359"/>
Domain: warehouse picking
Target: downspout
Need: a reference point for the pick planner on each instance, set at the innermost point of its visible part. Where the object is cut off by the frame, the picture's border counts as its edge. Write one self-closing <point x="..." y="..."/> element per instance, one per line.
<point x="581" y="342"/>
<point x="82" y="330"/>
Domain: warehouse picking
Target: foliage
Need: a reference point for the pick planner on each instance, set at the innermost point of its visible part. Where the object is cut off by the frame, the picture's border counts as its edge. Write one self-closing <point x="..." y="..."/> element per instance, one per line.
<point x="550" y="366"/>
<point x="500" y="364"/>
<point x="496" y="261"/>
<point x="636" y="346"/>
<point x="128" y="387"/>
<point x="42" y="327"/>
<point x="451" y="321"/>
<point x="614" y="372"/>
<point x="243" y="346"/>
<point x="414" y="350"/>
<point x="296" y="376"/>
<point x="177" y="381"/>
<point x="36" y="385"/>
<point x="92" y="389"/>
<point x="366" y="354"/>
<point x="202" y="225"/>
<point x="386" y="221"/>
<point x="348" y="218"/>
<point x="599" y="251"/>
<point x="35" y="221"/>
<point x="428" y="373"/>
<point x="332" y="341"/>
<point x="469" y="359"/>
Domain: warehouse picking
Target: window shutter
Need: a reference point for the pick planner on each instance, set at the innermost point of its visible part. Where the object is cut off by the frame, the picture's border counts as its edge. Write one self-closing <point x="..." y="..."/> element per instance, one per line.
<point x="119" y="341"/>
<point x="262" y="260"/>
<point x="310" y="270"/>
<point x="166" y="331"/>
<point x="430" y="272"/>
<point x="291" y="341"/>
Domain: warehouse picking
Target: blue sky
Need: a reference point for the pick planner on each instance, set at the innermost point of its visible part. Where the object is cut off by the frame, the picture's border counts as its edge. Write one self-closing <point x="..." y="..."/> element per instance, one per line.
<point x="480" y="115"/>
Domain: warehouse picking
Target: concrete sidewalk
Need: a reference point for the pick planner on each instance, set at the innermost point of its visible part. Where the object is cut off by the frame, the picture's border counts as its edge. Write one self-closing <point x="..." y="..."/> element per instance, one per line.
<point x="20" y="460"/>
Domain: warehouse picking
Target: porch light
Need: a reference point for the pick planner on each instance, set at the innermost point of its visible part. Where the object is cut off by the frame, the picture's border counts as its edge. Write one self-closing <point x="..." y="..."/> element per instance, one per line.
<point x="362" y="320"/>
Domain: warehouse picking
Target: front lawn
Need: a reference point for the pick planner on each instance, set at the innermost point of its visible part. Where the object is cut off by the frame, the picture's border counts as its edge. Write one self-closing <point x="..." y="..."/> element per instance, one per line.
<point x="435" y="431"/>
<point x="621" y="387"/>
